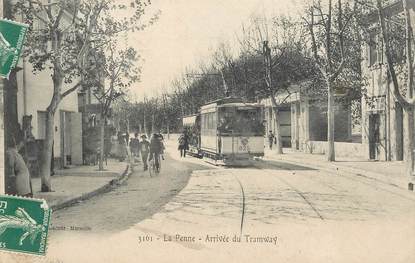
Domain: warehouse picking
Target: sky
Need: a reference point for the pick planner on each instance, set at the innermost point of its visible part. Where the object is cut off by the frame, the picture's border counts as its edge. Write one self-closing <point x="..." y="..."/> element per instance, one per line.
<point x="186" y="33"/>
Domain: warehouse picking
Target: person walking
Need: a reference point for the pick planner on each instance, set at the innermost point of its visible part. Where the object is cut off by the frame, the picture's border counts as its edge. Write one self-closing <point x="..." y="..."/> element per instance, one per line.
<point x="144" y="147"/>
<point x="271" y="138"/>
<point x="134" y="145"/>
<point x="183" y="144"/>
<point x="17" y="179"/>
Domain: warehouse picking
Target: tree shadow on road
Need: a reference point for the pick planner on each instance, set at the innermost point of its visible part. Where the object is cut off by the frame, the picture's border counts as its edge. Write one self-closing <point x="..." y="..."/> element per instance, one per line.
<point x="275" y="165"/>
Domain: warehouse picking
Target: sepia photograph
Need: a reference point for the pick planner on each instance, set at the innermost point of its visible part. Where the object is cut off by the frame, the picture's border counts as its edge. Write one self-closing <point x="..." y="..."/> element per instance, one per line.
<point x="207" y="131"/>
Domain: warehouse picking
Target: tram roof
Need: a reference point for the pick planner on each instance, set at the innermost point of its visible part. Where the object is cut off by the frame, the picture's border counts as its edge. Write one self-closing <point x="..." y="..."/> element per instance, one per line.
<point x="230" y="102"/>
<point x="225" y="100"/>
<point x="240" y="105"/>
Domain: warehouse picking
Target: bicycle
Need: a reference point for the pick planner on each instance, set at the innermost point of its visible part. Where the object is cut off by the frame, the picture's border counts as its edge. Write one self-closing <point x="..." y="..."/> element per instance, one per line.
<point x="153" y="167"/>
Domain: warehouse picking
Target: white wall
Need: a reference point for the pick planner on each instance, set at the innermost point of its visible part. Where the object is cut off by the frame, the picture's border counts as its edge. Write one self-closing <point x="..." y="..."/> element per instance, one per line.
<point x="342" y="149"/>
<point x="38" y="90"/>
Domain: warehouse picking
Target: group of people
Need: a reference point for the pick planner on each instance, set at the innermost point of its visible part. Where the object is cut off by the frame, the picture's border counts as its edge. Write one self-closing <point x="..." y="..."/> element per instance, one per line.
<point x="144" y="148"/>
<point x="183" y="143"/>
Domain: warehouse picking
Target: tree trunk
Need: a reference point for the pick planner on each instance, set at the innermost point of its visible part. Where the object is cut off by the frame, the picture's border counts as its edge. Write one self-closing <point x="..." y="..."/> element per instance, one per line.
<point x="152" y="124"/>
<point x="330" y="123"/>
<point x="409" y="110"/>
<point x="409" y="155"/>
<point x="168" y="130"/>
<point x="278" y="138"/>
<point x="268" y="80"/>
<point x="46" y="154"/>
<point x="145" y="125"/>
<point x="102" y="144"/>
<point x="11" y="123"/>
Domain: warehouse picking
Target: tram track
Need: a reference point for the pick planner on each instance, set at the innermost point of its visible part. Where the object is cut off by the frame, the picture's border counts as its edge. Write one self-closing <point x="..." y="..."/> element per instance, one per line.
<point x="313" y="179"/>
<point x="379" y="185"/>
<point x="290" y="186"/>
<point x="302" y="196"/>
<point x="348" y="176"/>
<point x="243" y="202"/>
<point x="298" y="192"/>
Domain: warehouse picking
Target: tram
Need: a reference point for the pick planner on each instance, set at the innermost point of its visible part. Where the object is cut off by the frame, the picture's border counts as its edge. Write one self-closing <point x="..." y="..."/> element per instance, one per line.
<point x="227" y="132"/>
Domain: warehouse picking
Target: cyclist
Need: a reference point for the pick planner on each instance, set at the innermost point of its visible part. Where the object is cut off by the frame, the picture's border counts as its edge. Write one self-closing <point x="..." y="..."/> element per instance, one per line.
<point x="156" y="148"/>
<point x="144" y="150"/>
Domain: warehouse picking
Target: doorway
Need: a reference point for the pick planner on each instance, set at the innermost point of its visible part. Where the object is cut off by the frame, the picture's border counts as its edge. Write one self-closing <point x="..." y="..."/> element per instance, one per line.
<point x="374" y="136"/>
<point x="70" y="138"/>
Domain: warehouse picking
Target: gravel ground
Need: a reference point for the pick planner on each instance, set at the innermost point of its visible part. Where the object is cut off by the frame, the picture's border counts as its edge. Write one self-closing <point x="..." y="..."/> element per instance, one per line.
<point x="316" y="216"/>
<point x="138" y="198"/>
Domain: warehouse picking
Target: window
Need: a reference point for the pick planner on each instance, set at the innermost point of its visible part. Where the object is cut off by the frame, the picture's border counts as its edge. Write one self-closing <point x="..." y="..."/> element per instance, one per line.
<point x="397" y="39"/>
<point x="373" y="49"/>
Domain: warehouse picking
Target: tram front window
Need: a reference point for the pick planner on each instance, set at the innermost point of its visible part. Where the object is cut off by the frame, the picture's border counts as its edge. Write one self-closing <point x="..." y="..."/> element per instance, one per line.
<point x="241" y="121"/>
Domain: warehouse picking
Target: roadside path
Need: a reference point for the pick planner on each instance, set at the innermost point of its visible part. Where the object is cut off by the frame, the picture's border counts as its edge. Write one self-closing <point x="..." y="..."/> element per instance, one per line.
<point x="136" y="199"/>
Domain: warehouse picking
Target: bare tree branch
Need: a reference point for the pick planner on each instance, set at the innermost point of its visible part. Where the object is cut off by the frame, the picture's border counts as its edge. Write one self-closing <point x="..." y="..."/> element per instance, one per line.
<point x="70" y="90"/>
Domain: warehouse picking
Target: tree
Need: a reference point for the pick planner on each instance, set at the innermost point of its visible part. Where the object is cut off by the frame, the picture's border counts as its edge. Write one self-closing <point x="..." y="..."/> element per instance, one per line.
<point x="70" y="43"/>
<point x="114" y="72"/>
<point x="406" y="101"/>
<point x="166" y="113"/>
<point x="327" y="41"/>
<point x="281" y="44"/>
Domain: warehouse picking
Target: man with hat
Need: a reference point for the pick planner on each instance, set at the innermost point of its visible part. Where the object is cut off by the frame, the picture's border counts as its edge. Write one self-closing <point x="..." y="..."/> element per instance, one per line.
<point x="144" y="150"/>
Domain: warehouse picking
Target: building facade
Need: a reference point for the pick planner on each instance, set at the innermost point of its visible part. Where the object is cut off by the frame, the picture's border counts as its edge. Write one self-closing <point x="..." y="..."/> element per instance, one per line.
<point x="382" y="115"/>
<point x="30" y="99"/>
<point x="303" y="124"/>
<point x="33" y="96"/>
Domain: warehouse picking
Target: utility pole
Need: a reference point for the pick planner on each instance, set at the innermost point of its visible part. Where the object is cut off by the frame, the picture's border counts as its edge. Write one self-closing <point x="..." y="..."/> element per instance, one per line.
<point x="268" y="80"/>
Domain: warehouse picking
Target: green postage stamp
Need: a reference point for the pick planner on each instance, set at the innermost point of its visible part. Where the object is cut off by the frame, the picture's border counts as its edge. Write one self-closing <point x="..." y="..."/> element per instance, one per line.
<point x="12" y="35"/>
<point x="24" y="224"/>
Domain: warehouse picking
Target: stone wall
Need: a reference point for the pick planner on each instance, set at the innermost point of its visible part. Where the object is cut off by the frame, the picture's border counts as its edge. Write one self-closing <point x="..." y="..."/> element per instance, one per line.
<point x="342" y="149"/>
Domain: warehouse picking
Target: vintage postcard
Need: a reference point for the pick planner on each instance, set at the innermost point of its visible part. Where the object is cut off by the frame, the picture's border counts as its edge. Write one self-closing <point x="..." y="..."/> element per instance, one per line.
<point x="207" y="131"/>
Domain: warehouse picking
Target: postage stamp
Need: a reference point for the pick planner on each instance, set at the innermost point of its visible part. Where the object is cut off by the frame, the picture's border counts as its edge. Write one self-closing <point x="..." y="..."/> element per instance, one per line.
<point x="24" y="224"/>
<point x="12" y="35"/>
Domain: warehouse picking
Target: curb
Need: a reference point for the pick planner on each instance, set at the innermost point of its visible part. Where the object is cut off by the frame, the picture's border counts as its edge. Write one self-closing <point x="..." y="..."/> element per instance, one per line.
<point x="105" y="188"/>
